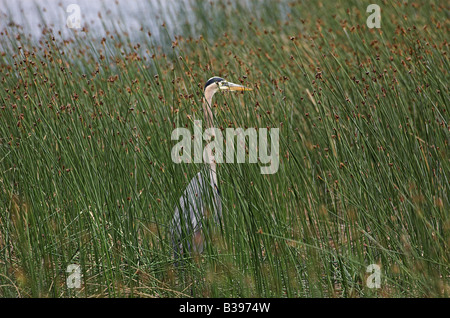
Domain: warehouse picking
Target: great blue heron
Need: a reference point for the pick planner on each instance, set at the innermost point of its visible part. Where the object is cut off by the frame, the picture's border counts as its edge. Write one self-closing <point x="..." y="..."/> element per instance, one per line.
<point x="202" y="193"/>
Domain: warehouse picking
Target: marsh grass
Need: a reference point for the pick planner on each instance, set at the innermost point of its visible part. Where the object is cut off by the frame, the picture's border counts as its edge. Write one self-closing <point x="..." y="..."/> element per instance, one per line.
<point x="86" y="175"/>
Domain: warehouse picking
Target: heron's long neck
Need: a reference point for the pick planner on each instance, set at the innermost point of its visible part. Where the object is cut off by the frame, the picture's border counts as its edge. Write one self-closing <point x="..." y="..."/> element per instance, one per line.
<point x="209" y="124"/>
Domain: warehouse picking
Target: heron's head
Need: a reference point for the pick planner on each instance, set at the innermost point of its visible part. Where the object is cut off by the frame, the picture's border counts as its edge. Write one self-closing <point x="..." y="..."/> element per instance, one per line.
<point x="215" y="84"/>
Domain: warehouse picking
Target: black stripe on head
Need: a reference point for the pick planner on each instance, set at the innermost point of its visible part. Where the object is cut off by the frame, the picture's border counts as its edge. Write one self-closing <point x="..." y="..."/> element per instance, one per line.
<point x="214" y="79"/>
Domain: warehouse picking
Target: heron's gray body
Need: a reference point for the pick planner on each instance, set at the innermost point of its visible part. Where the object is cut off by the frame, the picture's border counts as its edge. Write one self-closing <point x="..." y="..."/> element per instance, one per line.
<point x="191" y="212"/>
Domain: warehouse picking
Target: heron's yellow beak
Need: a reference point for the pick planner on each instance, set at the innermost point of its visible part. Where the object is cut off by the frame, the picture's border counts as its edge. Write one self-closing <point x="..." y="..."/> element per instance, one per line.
<point x="227" y="86"/>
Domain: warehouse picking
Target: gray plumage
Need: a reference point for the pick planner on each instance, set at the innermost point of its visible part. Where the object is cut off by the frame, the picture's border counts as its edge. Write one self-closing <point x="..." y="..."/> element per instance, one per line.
<point x="187" y="227"/>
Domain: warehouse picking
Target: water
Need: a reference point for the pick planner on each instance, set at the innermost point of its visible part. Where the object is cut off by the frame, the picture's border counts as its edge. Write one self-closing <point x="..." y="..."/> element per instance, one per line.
<point x="127" y="16"/>
<point x="97" y="16"/>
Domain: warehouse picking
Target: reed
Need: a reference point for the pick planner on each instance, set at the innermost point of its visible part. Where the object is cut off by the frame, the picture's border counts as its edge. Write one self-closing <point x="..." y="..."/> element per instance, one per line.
<point x="86" y="175"/>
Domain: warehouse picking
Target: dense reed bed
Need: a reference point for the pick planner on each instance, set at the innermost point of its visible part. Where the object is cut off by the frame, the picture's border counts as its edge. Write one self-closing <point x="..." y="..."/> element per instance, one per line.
<point x="87" y="178"/>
